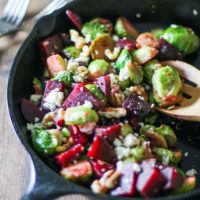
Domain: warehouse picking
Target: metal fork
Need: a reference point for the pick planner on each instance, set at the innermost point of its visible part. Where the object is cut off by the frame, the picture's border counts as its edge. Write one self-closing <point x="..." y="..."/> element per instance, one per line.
<point x="54" y="5"/>
<point x="13" y="15"/>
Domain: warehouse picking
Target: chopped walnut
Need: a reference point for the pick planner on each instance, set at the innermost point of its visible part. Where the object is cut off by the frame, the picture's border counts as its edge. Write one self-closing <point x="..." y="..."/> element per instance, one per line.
<point x="77" y="39"/>
<point x="48" y="120"/>
<point x="108" y="181"/>
<point x="116" y="99"/>
<point x="139" y="90"/>
<point x="81" y="74"/>
<point x="112" y="55"/>
<point x="110" y="112"/>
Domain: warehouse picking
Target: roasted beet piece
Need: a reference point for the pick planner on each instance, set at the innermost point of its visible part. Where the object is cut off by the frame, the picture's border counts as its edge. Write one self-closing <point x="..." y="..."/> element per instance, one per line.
<point x="101" y="150"/>
<point x="136" y="107"/>
<point x="79" y="95"/>
<point x="127" y="183"/>
<point x="101" y="167"/>
<point x="109" y="132"/>
<point x="173" y="177"/>
<point x="168" y="52"/>
<point x="126" y="43"/>
<point x="31" y="111"/>
<point x="76" y="20"/>
<point x="77" y="136"/>
<point x="104" y="84"/>
<point x="70" y="155"/>
<point x="150" y="181"/>
<point x="52" y="85"/>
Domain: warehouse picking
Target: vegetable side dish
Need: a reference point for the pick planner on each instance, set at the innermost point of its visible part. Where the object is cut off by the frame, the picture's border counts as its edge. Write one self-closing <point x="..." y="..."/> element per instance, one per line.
<point x="93" y="112"/>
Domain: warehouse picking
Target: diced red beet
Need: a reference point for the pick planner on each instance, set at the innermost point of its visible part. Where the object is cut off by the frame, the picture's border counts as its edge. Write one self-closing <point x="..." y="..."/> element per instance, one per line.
<point x="77" y="136"/>
<point x="173" y="177"/>
<point x="110" y="132"/>
<point x="127" y="184"/>
<point x="74" y="18"/>
<point x="101" y="167"/>
<point x="104" y="84"/>
<point x="150" y="182"/>
<point x="70" y="155"/>
<point x="133" y="121"/>
<point x="51" y="45"/>
<point x="126" y="43"/>
<point x="168" y="52"/>
<point x="36" y="111"/>
<point x="52" y="85"/>
<point x="79" y="95"/>
<point x="135" y="106"/>
<point x="101" y="150"/>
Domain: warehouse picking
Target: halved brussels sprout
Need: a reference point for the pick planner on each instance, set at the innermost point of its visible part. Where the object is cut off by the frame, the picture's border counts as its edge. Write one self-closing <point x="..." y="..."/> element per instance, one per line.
<point x="138" y="153"/>
<point x="183" y="38"/>
<point x="166" y="156"/>
<point x="65" y="77"/>
<point x="149" y="69"/>
<point x="71" y="52"/>
<point x="131" y="71"/>
<point x="158" y="32"/>
<point x="124" y="28"/>
<point x="96" y="27"/>
<point x="147" y="39"/>
<point x="98" y="68"/>
<point x="167" y="86"/>
<point x="46" y="141"/>
<point x="80" y="115"/>
<point x="99" y="45"/>
<point x="164" y="130"/>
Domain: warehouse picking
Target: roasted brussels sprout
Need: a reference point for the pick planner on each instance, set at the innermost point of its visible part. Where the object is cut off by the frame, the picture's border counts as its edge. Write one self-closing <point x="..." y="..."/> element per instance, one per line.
<point x="80" y="115"/>
<point x="71" y="52"/>
<point x="96" y="91"/>
<point x="124" y="28"/>
<point x="158" y="32"/>
<point x="167" y="156"/>
<point x="99" y="45"/>
<point x="98" y="68"/>
<point x="138" y="153"/>
<point x="96" y="27"/>
<point x="164" y="130"/>
<point x="46" y="141"/>
<point x="167" y="86"/>
<point x="65" y="77"/>
<point x="147" y="39"/>
<point x="183" y="38"/>
<point x="149" y="69"/>
<point x="131" y="71"/>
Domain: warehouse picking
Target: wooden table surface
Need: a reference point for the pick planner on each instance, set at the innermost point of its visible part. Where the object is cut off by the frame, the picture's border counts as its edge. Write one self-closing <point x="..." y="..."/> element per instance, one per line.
<point x="14" y="160"/>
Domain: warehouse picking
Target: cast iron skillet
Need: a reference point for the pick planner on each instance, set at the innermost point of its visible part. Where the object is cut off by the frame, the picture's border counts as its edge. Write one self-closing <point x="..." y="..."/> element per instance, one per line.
<point x="27" y="64"/>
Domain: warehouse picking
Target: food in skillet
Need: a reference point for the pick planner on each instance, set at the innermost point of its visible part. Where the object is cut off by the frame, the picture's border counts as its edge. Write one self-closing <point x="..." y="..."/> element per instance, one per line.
<point x="93" y="112"/>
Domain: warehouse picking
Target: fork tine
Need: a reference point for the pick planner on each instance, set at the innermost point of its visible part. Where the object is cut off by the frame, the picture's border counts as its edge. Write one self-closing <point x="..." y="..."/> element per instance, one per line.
<point x="9" y="10"/>
<point x="21" y="13"/>
<point x="54" y="5"/>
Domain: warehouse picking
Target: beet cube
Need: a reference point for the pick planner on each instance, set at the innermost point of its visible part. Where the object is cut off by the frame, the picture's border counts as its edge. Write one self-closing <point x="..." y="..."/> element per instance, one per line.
<point x="126" y="43"/>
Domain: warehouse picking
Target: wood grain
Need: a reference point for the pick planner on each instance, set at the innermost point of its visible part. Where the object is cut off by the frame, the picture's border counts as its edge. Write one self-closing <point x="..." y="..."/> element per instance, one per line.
<point x="14" y="160"/>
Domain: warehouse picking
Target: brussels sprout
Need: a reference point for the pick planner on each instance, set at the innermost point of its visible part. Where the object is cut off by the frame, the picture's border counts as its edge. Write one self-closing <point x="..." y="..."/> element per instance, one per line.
<point x="71" y="52"/>
<point x="124" y="84"/>
<point x="65" y="77"/>
<point x="95" y="28"/>
<point x="65" y="132"/>
<point x="183" y="38"/>
<point x="98" y="68"/>
<point x="96" y="91"/>
<point x="166" y="156"/>
<point x="144" y="54"/>
<point x="188" y="185"/>
<point x="46" y="141"/>
<point x="124" y="28"/>
<point x="167" y="86"/>
<point x="126" y="129"/>
<point x="147" y="39"/>
<point x="157" y="32"/>
<point x="138" y="153"/>
<point x="122" y="59"/>
<point x="80" y="115"/>
<point x="99" y="45"/>
<point x="149" y="69"/>
<point x="131" y="71"/>
<point x="164" y="130"/>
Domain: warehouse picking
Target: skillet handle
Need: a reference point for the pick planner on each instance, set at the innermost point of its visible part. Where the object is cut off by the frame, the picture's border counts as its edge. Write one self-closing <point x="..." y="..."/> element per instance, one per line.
<point x="48" y="185"/>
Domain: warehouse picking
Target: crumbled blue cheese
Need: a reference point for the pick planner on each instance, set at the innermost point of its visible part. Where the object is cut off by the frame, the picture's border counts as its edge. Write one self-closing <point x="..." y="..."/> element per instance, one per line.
<point x="88" y="104"/>
<point x="54" y="99"/>
<point x="122" y="152"/>
<point x="35" y="98"/>
<point x="72" y="65"/>
<point x="130" y="141"/>
<point x="115" y="38"/>
<point x="191" y="172"/>
<point x="117" y="142"/>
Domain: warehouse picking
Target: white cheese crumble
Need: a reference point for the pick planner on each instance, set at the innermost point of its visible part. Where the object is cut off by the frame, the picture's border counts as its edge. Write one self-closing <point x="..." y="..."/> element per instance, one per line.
<point x="191" y="172"/>
<point x="37" y="119"/>
<point x="186" y="154"/>
<point x="115" y="38"/>
<point x="117" y="142"/>
<point x="138" y="15"/>
<point x="76" y="38"/>
<point x="54" y="99"/>
<point x="88" y="104"/>
<point x="195" y="12"/>
<point x="72" y="65"/>
<point x="87" y="38"/>
<point x="35" y="98"/>
<point x="130" y="141"/>
<point x="122" y="152"/>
